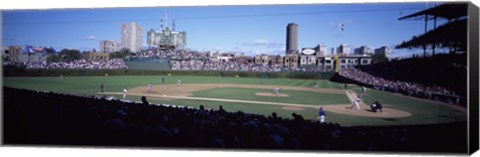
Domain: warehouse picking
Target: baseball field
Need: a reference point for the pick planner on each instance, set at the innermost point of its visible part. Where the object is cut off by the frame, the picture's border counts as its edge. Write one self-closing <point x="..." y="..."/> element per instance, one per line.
<point x="255" y="95"/>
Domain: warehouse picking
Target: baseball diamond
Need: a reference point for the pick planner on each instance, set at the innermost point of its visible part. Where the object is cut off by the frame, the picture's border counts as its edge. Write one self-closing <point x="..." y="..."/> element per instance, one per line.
<point x="263" y="77"/>
<point x="249" y="95"/>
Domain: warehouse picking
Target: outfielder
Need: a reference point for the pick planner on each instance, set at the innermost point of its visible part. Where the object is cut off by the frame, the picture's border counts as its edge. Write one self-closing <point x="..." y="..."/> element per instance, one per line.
<point x="179" y="82"/>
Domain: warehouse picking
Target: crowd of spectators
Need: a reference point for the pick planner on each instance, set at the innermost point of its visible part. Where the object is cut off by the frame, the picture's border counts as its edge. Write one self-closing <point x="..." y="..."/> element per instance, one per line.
<point x="182" y="54"/>
<point x="61" y="119"/>
<point x="213" y="65"/>
<point x="442" y="77"/>
<point x="186" y="64"/>
<point x="311" y="69"/>
<point x="409" y="88"/>
<point x="79" y="64"/>
<point x="210" y="65"/>
<point x="194" y="60"/>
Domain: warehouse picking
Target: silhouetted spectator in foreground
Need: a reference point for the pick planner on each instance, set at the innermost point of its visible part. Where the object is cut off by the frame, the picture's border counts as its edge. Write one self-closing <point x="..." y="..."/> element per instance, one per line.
<point x="221" y="110"/>
<point x="144" y="100"/>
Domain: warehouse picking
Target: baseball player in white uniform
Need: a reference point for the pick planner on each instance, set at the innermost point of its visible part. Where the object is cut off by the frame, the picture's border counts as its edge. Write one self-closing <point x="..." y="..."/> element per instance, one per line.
<point x="356" y="103"/>
<point x="149" y="87"/>
<point x="124" y="92"/>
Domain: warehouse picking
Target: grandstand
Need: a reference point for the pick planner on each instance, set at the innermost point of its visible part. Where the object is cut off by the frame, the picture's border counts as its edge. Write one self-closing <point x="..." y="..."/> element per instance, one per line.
<point x="442" y="77"/>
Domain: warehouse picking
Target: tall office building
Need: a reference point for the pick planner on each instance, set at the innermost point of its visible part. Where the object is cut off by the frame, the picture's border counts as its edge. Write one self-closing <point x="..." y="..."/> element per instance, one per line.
<point x="363" y="50"/>
<point x="321" y="50"/>
<point x="108" y="46"/>
<point x="343" y="49"/>
<point x="292" y="38"/>
<point x="384" y="50"/>
<point x="132" y="36"/>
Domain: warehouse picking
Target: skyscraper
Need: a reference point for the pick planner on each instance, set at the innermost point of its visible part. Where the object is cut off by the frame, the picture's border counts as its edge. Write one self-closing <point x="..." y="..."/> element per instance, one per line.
<point x="132" y="36"/>
<point x="292" y="38"/>
<point x="343" y="49"/>
<point x="363" y="50"/>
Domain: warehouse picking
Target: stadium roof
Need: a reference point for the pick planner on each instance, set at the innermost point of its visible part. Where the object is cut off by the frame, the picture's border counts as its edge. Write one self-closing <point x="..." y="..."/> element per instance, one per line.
<point x="448" y="11"/>
<point x="453" y="34"/>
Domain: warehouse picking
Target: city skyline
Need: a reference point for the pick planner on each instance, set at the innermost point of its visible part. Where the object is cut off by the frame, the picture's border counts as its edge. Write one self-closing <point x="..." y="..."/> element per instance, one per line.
<point x="248" y="29"/>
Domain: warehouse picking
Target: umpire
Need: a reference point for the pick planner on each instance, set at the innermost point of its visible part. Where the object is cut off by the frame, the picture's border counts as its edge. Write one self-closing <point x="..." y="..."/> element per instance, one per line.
<point x="376" y="106"/>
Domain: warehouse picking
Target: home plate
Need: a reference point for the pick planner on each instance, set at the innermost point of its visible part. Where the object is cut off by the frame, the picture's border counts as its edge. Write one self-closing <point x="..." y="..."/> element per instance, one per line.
<point x="164" y="95"/>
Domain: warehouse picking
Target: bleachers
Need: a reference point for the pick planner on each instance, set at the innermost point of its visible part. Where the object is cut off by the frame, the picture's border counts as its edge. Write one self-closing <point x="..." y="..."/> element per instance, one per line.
<point x="442" y="77"/>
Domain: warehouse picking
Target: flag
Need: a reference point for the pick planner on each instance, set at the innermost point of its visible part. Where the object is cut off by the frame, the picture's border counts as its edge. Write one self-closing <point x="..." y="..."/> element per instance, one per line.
<point x="28" y="49"/>
<point x="38" y="49"/>
<point x="53" y="50"/>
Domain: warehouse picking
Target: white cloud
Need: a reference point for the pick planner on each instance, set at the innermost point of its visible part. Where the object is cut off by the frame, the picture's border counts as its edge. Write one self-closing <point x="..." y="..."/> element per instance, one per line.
<point x="91" y="37"/>
<point x="262" y="42"/>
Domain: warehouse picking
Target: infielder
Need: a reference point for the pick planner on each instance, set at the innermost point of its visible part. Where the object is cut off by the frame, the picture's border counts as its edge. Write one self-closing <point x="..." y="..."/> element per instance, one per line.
<point x="124" y="92"/>
<point x="276" y="91"/>
<point x="149" y="87"/>
<point x="179" y="82"/>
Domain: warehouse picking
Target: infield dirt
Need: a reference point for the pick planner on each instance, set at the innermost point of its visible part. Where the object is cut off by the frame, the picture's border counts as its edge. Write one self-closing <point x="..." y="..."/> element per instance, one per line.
<point x="184" y="91"/>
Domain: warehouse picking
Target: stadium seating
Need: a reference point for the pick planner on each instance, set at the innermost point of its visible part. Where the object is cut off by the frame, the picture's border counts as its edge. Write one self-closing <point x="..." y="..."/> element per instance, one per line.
<point x="441" y="77"/>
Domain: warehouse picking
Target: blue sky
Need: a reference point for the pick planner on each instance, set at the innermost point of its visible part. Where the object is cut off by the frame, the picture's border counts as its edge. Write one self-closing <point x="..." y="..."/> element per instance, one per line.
<point x="249" y="29"/>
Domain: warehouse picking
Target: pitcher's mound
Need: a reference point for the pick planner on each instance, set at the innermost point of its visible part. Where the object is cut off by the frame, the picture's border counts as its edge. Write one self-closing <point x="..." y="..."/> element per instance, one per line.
<point x="271" y="94"/>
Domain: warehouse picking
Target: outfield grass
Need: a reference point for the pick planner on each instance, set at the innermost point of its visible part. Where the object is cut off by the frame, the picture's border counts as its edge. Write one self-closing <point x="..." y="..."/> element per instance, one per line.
<point x="422" y="112"/>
